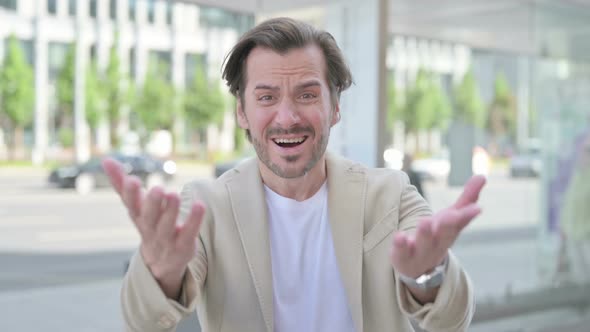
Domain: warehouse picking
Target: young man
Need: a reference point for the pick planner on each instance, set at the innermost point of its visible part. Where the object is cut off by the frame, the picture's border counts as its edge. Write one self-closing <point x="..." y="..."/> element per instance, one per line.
<point x="295" y="239"/>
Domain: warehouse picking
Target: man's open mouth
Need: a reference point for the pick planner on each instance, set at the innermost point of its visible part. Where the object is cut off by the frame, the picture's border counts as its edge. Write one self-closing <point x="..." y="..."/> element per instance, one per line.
<point x="289" y="142"/>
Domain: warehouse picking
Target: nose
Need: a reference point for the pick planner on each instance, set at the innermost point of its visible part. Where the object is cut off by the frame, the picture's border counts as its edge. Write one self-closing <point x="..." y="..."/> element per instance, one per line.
<point x="287" y="114"/>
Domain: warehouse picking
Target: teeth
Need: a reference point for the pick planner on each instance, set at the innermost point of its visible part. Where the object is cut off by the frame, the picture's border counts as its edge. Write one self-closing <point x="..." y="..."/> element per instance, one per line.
<point x="289" y="140"/>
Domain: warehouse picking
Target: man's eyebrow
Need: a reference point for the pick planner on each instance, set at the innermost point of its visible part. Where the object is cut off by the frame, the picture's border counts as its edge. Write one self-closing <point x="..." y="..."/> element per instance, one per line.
<point x="308" y="84"/>
<point x="266" y="87"/>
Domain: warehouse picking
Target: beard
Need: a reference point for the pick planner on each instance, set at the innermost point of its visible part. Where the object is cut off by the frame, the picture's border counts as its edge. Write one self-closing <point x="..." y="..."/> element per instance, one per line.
<point x="318" y="150"/>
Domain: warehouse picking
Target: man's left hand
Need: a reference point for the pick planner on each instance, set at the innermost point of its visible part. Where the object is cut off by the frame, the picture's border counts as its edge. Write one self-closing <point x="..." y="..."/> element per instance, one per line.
<point x="420" y="252"/>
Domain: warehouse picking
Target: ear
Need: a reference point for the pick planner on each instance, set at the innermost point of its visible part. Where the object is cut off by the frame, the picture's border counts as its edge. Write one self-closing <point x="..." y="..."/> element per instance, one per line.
<point x="335" y="114"/>
<point x="241" y="116"/>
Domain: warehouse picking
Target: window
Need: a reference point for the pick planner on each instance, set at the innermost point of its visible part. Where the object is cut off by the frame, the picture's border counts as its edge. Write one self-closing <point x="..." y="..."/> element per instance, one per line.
<point x="211" y="17"/>
<point x="92" y="8"/>
<point x="113" y="10"/>
<point x="52" y="7"/>
<point x="151" y="11"/>
<point x="163" y="61"/>
<point x="72" y="8"/>
<point x="93" y="52"/>
<point x="8" y="4"/>
<point x="132" y="7"/>
<point x="191" y="63"/>
<point x="57" y="53"/>
<point x="132" y="71"/>
<point x="26" y="47"/>
<point x="169" y="12"/>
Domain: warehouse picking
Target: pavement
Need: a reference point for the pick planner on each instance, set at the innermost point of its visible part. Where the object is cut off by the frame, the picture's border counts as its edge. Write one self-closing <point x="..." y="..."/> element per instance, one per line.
<point x="66" y="266"/>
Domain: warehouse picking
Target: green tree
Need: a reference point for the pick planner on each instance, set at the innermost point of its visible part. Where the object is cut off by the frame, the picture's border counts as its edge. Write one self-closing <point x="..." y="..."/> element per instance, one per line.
<point x="502" y="114"/>
<point x="468" y="104"/>
<point x="65" y="91"/>
<point x="418" y="111"/>
<point x="426" y="107"/>
<point x="95" y="106"/>
<point x="394" y="111"/>
<point x="441" y="107"/>
<point x="156" y="104"/>
<point x="16" y="93"/>
<point x="118" y="93"/>
<point x="203" y="102"/>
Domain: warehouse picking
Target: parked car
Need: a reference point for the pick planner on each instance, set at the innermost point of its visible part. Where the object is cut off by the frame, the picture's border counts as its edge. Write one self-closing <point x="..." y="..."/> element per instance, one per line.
<point x="86" y="176"/>
<point x="527" y="162"/>
<point x="435" y="167"/>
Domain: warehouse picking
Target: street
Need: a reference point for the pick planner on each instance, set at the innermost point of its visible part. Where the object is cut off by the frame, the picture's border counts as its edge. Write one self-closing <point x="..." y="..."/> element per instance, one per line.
<point x="63" y="255"/>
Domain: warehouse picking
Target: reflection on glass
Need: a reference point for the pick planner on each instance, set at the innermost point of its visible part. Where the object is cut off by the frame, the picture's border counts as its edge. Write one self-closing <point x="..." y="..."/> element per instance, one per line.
<point x="575" y="214"/>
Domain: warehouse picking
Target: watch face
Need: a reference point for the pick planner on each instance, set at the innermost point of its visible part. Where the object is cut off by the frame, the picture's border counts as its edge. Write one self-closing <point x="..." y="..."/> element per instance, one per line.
<point x="435" y="280"/>
<point x="427" y="280"/>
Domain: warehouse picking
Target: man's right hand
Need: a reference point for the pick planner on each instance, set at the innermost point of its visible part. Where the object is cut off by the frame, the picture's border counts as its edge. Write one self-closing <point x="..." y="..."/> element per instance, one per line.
<point x="166" y="247"/>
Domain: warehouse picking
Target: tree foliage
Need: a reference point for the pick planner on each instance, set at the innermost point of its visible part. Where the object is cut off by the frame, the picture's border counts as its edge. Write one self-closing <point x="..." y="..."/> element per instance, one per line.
<point x="95" y="106"/>
<point x="117" y="91"/>
<point x="468" y="103"/>
<point x="426" y="105"/>
<point x="17" y="96"/>
<point x="502" y="112"/>
<point x="394" y="111"/>
<point x="65" y="89"/>
<point x="204" y="101"/>
<point x="156" y="104"/>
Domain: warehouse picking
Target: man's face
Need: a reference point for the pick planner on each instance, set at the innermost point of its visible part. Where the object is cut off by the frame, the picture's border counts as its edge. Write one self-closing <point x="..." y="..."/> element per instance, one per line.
<point x="287" y="108"/>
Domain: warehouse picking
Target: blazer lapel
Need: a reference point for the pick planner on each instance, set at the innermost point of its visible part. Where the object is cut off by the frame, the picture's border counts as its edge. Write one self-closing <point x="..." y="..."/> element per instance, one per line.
<point x="346" y="197"/>
<point x="246" y="193"/>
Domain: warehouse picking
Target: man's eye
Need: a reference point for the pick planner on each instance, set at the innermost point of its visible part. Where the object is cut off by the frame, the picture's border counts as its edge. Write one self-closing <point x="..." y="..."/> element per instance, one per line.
<point x="307" y="96"/>
<point x="265" y="98"/>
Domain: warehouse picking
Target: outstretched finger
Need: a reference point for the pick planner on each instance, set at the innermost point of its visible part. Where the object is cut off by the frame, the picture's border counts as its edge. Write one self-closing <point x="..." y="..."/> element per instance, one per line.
<point x="425" y="236"/>
<point x="471" y="191"/>
<point x="131" y="194"/>
<point x="451" y="222"/>
<point x="192" y="225"/>
<point x="152" y="209"/>
<point x="165" y="228"/>
<point x="114" y="170"/>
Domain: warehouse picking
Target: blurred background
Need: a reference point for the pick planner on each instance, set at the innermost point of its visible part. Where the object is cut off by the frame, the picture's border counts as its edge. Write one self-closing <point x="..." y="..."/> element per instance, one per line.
<point x="443" y="90"/>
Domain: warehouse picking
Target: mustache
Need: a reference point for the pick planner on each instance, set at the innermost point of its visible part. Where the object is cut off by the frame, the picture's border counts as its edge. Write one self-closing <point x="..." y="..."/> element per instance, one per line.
<point x="290" y="131"/>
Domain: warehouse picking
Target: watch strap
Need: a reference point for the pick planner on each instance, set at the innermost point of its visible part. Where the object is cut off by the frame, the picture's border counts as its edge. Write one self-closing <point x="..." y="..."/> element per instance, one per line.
<point x="427" y="280"/>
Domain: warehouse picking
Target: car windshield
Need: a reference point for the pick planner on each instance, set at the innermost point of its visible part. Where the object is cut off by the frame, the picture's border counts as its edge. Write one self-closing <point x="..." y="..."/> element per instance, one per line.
<point x="93" y="163"/>
<point x="530" y="151"/>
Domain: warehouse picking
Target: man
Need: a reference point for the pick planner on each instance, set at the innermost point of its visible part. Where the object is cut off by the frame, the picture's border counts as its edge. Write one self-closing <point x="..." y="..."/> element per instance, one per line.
<point x="296" y="239"/>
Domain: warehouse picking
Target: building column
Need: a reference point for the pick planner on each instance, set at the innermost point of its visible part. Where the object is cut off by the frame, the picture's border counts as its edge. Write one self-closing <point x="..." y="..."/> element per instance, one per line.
<point x="178" y="79"/>
<point x="361" y="31"/>
<point x="80" y="124"/>
<point x="105" y="39"/>
<point x="41" y="124"/>
<point x="141" y="51"/>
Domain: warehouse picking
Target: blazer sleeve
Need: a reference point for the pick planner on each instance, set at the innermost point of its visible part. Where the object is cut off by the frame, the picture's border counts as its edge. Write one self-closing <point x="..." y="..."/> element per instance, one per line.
<point x="145" y="307"/>
<point x="454" y="306"/>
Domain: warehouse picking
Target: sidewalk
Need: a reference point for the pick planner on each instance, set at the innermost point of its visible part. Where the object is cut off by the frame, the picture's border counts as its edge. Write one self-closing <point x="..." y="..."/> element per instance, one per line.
<point x="80" y="308"/>
<point x="93" y="307"/>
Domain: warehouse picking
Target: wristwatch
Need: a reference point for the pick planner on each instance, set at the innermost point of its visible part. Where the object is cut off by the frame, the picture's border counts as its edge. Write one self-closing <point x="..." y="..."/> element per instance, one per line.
<point x="428" y="280"/>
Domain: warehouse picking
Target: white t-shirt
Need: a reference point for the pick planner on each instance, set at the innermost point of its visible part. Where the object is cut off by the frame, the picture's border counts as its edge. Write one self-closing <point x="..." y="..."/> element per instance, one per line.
<point x="308" y="294"/>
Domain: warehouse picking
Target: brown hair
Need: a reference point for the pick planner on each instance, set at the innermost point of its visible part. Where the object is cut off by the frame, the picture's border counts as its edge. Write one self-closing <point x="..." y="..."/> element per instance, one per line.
<point x="281" y="35"/>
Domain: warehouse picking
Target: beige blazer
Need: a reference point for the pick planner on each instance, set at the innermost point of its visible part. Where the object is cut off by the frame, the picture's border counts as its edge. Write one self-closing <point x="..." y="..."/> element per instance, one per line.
<point x="230" y="282"/>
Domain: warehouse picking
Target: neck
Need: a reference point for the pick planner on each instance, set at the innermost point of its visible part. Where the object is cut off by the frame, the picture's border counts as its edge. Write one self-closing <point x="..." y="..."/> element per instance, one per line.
<point x="300" y="188"/>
